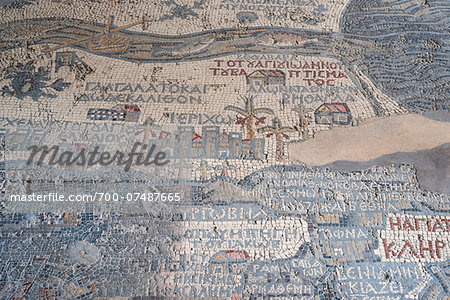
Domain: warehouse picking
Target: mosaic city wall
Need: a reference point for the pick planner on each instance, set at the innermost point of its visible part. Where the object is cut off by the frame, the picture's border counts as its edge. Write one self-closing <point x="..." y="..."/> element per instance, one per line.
<point x="224" y="149"/>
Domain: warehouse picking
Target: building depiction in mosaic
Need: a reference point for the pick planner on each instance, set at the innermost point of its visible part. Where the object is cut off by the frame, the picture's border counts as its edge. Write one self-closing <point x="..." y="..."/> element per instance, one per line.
<point x="224" y="149"/>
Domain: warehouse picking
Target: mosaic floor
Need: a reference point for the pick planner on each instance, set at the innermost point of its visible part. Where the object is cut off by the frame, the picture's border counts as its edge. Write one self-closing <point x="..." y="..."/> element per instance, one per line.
<point x="224" y="149"/>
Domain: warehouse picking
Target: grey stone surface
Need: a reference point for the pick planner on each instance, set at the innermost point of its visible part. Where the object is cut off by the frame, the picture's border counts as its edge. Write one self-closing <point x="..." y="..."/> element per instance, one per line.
<point x="440" y="115"/>
<point x="433" y="166"/>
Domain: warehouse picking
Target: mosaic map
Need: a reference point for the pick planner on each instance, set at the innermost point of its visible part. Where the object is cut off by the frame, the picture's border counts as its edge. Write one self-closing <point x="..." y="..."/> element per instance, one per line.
<point x="224" y="149"/>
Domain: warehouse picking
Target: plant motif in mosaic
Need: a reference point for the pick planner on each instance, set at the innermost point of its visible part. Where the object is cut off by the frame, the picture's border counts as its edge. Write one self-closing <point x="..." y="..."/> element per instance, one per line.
<point x="280" y="134"/>
<point x="250" y="114"/>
